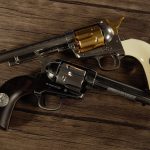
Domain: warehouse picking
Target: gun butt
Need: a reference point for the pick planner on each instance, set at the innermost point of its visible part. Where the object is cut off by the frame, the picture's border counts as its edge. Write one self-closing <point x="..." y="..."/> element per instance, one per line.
<point x="15" y="89"/>
<point x="141" y="51"/>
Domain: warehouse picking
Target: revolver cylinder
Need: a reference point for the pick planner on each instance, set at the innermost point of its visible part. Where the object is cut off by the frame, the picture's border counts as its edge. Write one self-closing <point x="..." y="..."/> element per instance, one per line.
<point x="72" y="78"/>
<point x="92" y="37"/>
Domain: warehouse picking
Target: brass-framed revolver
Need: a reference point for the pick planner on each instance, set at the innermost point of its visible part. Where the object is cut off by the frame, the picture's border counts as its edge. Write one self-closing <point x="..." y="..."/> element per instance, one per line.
<point x="96" y="40"/>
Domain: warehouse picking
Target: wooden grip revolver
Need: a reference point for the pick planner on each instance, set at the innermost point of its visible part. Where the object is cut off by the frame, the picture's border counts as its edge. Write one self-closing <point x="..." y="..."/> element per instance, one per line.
<point x="63" y="79"/>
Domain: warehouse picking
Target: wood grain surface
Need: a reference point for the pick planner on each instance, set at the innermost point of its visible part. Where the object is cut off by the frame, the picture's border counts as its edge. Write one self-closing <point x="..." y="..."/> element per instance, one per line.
<point x="102" y="120"/>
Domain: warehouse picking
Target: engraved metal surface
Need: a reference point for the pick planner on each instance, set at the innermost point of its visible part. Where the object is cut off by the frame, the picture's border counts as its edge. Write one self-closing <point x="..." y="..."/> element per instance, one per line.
<point x="71" y="77"/>
<point x="4" y="99"/>
<point x="108" y="32"/>
<point x="112" y="48"/>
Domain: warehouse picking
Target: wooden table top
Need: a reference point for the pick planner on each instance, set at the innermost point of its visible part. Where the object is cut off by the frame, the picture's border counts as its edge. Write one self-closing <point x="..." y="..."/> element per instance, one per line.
<point x="102" y="120"/>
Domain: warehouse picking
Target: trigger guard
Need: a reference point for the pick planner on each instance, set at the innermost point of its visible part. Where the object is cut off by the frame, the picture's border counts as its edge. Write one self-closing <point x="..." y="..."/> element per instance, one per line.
<point x="116" y="61"/>
<point x="40" y="97"/>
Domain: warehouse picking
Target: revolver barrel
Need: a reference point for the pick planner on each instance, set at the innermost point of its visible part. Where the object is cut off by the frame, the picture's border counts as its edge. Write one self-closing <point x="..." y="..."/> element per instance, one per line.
<point x="32" y="51"/>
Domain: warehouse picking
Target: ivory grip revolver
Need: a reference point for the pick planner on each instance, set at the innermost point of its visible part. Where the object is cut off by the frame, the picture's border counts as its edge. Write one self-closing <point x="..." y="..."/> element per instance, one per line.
<point x="96" y="41"/>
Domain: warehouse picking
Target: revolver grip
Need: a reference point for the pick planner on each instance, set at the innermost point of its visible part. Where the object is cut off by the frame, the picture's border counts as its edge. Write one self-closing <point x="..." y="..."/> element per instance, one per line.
<point x="15" y="89"/>
<point x="141" y="51"/>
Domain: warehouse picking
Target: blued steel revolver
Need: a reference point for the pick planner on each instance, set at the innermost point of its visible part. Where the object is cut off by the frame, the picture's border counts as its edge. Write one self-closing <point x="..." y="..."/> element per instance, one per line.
<point x="63" y="79"/>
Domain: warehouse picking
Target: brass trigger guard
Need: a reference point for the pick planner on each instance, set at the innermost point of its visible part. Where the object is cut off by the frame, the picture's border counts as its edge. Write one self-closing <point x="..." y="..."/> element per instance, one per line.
<point x="41" y="99"/>
<point x="116" y="62"/>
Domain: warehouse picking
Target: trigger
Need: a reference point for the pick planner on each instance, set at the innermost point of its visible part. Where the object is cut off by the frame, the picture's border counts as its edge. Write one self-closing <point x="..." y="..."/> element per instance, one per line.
<point x="98" y="58"/>
<point x="116" y="61"/>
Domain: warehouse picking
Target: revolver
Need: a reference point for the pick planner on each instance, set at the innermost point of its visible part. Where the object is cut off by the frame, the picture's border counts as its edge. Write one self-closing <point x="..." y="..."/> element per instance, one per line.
<point x="97" y="40"/>
<point x="65" y="80"/>
<point x="94" y="41"/>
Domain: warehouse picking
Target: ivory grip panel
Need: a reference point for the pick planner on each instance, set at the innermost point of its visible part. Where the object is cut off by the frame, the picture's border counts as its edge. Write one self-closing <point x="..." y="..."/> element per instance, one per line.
<point x="141" y="51"/>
